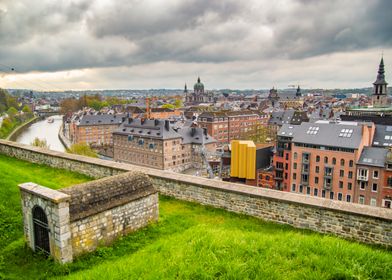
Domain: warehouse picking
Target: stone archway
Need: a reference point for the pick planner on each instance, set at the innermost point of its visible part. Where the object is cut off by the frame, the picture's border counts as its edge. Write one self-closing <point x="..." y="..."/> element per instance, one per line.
<point x="41" y="230"/>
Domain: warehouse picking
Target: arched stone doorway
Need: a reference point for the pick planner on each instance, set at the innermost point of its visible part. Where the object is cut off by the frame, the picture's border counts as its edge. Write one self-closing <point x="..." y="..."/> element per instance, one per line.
<point x="41" y="230"/>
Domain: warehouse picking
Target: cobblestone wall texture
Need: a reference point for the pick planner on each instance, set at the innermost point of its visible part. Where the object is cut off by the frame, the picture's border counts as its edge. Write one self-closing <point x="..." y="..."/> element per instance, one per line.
<point x="349" y="220"/>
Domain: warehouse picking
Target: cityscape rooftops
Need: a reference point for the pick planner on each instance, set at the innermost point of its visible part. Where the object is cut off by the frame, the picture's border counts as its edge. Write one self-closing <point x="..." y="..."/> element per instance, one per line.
<point x="373" y="156"/>
<point x="100" y="119"/>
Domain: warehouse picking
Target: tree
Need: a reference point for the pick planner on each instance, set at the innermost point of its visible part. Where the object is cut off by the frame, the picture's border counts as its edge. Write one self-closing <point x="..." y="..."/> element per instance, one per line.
<point x="40" y="143"/>
<point x="26" y="109"/>
<point x="178" y="103"/>
<point x="12" y="112"/>
<point x="168" y="106"/>
<point x="70" y="105"/>
<point x="82" y="149"/>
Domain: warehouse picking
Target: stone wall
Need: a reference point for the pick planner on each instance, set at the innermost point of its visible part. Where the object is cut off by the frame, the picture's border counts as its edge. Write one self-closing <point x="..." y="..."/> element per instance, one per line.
<point x="353" y="221"/>
<point x="84" y="216"/>
<point x="104" y="227"/>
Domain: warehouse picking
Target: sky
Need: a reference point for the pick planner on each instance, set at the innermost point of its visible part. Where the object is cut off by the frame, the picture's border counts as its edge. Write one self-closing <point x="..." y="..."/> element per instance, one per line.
<point x="144" y="44"/>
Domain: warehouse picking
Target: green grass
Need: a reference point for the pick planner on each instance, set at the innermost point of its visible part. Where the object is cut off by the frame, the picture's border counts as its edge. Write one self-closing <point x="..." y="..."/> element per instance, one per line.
<point x="190" y="241"/>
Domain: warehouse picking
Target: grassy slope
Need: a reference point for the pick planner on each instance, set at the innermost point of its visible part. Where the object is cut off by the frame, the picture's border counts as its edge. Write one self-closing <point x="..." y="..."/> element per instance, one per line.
<point x="194" y="242"/>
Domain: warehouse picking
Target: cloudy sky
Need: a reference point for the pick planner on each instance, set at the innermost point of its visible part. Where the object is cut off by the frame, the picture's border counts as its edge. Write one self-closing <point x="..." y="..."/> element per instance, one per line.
<point x="142" y="44"/>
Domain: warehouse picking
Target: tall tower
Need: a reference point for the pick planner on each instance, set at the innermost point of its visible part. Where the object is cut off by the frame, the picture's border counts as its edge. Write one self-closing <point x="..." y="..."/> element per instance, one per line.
<point x="380" y="94"/>
<point x="298" y="92"/>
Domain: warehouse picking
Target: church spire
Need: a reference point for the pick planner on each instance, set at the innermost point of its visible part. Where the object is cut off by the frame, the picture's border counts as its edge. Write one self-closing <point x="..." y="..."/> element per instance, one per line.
<point x="380" y="94"/>
<point x="198" y="79"/>
<point x="381" y="74"/>
<point x="185" y="89"/>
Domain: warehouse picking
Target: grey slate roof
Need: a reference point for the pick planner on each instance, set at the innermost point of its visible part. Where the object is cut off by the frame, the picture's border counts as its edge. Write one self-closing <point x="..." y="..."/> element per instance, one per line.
<point x="373" y="156"/>
<point x="383" y="136"/>
<point x="327" y="134"/>
<point x="103" y="119"/>
<point x="162" y="129"/>
<point x="281" y="117"/>
<point x="148" y="128"/>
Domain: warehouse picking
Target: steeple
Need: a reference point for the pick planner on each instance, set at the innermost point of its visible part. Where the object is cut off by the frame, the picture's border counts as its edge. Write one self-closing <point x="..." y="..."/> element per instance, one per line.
<point x="381" y="74"/>
<point x="298" y="93"/>
<point x="379" y="96"/>
<point x="185" y="89"/>
<point x="198" y="79"/>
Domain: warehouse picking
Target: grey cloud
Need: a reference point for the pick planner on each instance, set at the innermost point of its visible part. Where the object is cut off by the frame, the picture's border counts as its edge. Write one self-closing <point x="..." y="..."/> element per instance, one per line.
<point x="60" y="35"/>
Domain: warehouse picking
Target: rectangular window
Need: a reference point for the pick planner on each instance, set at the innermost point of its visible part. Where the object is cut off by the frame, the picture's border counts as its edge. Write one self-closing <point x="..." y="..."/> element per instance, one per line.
<point x="317" y="169"/>
<point x="293" y="188"/>
<point x="286" y="175"/>
<point x="300" y="188"/>
<point x="351" y="163"/>
<point x="294" y="176"/>
<point x="295" y="165"/>
<point x="374" y="187"/>
<point x="316" y="180"/>
<point x="341" y="173"/>
<point x="331" y="195"/>
<point x="315" y="192"/>
<point x="350" y="174"/>
<point x="323" y="193"/>
<point x="349" y="186"/>
<point x="340" y="196"/>
<point x="348" y="198"/>
<point x="308" y="190"/>
<point x="373" y="202"/>
<point x="340" y="184"/>
<point x="361" y="199"/>
<point x="375" y="174"/>
<point x="389" y="182"/>
<point x="362" y="185"/>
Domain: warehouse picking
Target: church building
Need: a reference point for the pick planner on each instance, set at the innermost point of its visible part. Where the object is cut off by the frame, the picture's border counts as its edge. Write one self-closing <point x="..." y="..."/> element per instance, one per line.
<point x="198" y="95"/>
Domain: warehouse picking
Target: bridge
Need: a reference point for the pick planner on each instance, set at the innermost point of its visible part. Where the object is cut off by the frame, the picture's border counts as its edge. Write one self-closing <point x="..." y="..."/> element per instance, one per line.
<point x="47" y="113"/>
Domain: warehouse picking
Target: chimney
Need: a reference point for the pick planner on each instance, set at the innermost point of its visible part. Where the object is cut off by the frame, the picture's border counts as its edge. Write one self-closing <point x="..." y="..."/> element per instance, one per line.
<point x="167" y="125"/>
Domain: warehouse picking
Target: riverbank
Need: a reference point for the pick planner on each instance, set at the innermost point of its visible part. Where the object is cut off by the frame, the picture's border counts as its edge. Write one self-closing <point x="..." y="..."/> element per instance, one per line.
<point x="64" y="140"/>
<point x="13" y="134"/>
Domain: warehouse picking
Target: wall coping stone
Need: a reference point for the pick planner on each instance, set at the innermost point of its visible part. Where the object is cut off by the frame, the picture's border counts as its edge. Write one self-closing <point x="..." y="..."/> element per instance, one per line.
<point x="44" y="192"/>
<point x="354" y="208"/>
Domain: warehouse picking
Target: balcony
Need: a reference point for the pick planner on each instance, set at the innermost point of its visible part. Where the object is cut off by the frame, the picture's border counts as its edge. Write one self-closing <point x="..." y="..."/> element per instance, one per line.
<point x="363" y="178"/>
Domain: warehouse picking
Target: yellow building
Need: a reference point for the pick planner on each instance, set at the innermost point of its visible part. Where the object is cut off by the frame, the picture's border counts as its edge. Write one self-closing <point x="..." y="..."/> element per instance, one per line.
<point x="243" y="159"/>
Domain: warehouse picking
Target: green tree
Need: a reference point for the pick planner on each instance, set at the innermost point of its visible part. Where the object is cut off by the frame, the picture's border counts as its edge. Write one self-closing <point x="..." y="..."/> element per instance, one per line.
<point x="42" y="143"/>
<point x="178" y="103"/>
<point x="12" y="112"/>
<point x="82" y="149"/>
<point x="168" y="106"/>
<point x="26" y="109"/>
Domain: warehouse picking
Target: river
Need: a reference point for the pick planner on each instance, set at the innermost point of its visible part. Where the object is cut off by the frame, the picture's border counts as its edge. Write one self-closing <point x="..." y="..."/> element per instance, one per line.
<point x="44" y="130"/>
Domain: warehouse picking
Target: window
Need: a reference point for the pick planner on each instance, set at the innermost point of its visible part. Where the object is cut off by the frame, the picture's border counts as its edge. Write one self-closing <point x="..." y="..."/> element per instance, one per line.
<point x="130" y="137"/>
<point x="286" y="166"/>
<point x="351" y="163"/>
<point x="313" y="130"/>
<point x="294" y="176"/>
<point x="331" y="195"/>
<point x="317" y="169"/>
<point x="387" y="203"/>
<point x="141" y="142"/>
<point x="333" y="161"/>
<point x="295" y="155"/>
<point x="350" y="174"/>
<point x="286" y="175"/>
<point x="328" y="171"/>
<point x="348" y="198"/>
<point x="340" y="184"/>
<point x="317" y="158"/>
<point x="361" y="199"/>
<point x="346" y="133"/>
<point x="293" y="188"/>
<point x="323" y="193"/>
<point x="342" y="162"/>
<point x="308" y="190"/>
<point x="300" y="188"/>
<point x="373" y="202"/>
<point x="341" y="173"/>
<point x="340" y="196"/>
<point x="374" y="187"/>
<point x="316" y="180"/>
<point x="349" y="186"/>
<point x="295" y="165"/>
<point x="267" y="177"/>
<point x="325" y="159"/>
<point x="363" y="174"/>
<point x="287" y="156"/>
<point x="151" y="146"/>
<point x="375" y="174"/>
<point x="389" y="182"/>
<point x="315" y="192"/>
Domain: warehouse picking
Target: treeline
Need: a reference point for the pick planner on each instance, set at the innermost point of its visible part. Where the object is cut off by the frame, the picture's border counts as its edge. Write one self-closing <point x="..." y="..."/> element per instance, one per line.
<point x="12" y="113"/>
<point x="96" y="102"/>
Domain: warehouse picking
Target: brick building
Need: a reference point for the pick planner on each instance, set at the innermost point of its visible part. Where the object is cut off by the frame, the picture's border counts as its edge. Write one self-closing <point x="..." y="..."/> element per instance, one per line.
<point x="94" y="129"/>
<point x="157" y="144"/>
<point x="225" y="126"/>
